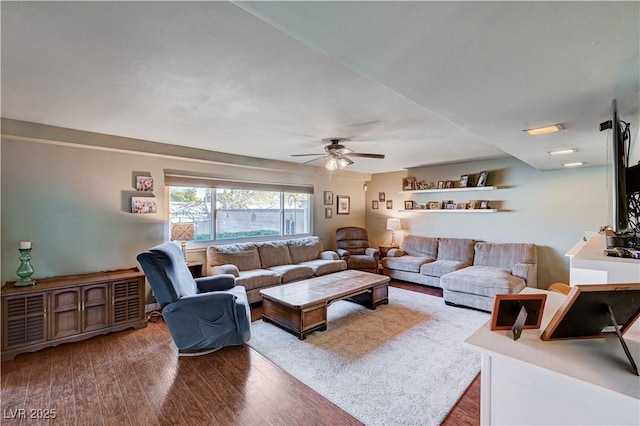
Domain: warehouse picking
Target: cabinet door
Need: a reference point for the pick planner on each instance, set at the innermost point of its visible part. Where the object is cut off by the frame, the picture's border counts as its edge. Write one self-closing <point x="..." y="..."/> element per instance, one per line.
<point x="23" y="320"/>
<point x="95" y="307"/>
<point x="128" y="303"/>
<point x="65" y="312"/>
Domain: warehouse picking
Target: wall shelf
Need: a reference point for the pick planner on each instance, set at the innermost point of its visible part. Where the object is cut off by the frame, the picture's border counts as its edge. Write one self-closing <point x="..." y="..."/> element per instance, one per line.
<point x="468" y="189"/>
<point x="449" y="211"/>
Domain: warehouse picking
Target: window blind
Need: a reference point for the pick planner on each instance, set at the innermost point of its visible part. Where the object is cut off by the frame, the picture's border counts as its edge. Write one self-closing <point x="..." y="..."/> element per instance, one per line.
<point x="203" y="181"/>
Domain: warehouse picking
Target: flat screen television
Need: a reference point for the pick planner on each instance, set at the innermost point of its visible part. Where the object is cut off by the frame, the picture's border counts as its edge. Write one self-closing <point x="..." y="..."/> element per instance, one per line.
<point x="620" y="212"/>
<point x="625" y="180"/>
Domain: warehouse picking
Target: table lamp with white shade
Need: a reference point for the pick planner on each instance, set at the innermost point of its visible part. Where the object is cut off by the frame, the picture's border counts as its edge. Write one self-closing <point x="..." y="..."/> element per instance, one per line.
<point x="393" y="225"/>
<point x="182" y="232"/>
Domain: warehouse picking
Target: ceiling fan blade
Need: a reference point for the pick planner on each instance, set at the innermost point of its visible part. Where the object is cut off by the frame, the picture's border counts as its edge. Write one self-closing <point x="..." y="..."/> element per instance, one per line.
<point x="314" y="159"/>
<point x="359" y="154"/>
<point x="302" y="155"/>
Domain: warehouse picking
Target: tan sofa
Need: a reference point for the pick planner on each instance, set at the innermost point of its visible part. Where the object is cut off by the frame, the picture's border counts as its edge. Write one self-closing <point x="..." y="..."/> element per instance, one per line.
<point x="259" y="265"/>
<point x="470" y="273"/>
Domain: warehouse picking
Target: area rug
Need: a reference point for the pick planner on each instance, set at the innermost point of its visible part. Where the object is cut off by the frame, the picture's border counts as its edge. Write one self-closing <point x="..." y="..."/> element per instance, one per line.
<point x="401" y="364"/>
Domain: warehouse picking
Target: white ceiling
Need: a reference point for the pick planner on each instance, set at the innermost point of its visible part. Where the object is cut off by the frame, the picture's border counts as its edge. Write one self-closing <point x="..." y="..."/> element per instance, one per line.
<point x="421" y="82"/>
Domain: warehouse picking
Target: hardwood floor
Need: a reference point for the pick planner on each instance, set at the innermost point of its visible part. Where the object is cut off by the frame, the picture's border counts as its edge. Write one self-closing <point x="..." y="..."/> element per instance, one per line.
<point x="134" y="377"/>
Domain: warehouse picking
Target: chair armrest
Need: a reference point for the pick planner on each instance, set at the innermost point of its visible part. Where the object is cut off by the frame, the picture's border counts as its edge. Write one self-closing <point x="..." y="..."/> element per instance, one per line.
<point x="218" y="282"/>
<point x="527" y="271"/>
<point x="395" y="253"/>
<point x="373" y="252"/>
<point x="344" y="255"/>
<point x="225" y="269"/>
<point x="329" y="255"/>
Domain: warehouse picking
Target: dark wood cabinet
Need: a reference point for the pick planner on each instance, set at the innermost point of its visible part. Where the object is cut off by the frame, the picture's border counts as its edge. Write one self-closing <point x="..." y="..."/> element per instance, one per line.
<point x="71" y="308"/>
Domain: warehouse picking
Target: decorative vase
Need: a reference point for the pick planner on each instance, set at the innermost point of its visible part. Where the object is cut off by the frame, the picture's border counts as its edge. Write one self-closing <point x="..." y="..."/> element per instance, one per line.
<point x="25" y="270"/>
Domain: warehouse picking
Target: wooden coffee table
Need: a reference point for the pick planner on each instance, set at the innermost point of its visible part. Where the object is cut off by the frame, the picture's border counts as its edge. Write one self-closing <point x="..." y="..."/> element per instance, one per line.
<point x="301" y="307"/>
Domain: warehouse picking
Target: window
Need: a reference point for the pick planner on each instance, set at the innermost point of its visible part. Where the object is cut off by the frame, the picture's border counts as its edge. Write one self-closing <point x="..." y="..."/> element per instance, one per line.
<point x="230" y="214"/>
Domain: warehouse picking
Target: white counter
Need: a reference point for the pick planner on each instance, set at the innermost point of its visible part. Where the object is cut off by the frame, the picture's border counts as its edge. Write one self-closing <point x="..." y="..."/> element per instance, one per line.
<point x="589" y="264"/>
<point x="530" y="381"/>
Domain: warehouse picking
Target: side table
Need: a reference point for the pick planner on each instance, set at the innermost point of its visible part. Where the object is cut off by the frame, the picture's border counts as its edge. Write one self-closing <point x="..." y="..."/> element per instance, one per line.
<point x="385" y="249"/>
<point x="195" y="269"/>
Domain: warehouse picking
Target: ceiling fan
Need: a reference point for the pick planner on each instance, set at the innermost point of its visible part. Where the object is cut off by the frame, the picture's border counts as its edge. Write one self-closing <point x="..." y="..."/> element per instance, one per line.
<point x="337" y="154"/>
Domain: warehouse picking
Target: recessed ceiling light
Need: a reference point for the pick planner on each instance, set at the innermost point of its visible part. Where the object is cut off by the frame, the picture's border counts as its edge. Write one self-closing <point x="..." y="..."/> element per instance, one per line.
<point x="542" y="130"/>
<point x="563" y="151"/>
<point x="577" y="164"/>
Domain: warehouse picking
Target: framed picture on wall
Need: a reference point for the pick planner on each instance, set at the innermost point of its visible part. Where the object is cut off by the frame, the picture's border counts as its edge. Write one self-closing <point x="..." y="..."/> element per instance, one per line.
<point x="328" y="213"/>
<point x="374" y="204"/>
<point x="381" y="196"/>
<point x="344" y="204"/>
<point x="144" y="183"/>
<point x="144" y="205"/>
<point x="389" y="204"/>
<point x="328" y="198"/>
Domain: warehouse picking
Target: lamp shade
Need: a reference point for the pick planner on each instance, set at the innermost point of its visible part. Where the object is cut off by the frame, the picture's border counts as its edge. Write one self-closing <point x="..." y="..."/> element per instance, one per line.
<point x="182" y="231"/>
<point x="393" y="225"/>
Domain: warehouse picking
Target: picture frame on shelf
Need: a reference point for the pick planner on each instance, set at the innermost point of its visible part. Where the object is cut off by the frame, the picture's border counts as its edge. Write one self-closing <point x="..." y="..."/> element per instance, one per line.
<point x="434" y="205"/>
<point x="484" y="204"/>
<point x="343" y="204"/>
<point x="464" y="181"/>
<point x="461" y="206"/>
<point x="450" y="206"/>
<point x="389" y="204"/>
<point x="381" y="197"/>
<point x="328" y="213"/>
<point x="482" y="179"/>
<point x="144" y="183"/>
<point x="408" y="205"/>
<point x="474" y="204"/>
<point x="506" y="308"/>
<point x="374" y="204"/>
<point x="144" y="205"/>
<point x="440" y="184"/>
<point x="328" y="198"/>
<point x="408" y="183"/>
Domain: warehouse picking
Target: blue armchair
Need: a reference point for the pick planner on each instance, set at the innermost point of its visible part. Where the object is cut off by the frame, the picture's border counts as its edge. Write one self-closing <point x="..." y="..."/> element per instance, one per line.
<point x="203" y="314"/>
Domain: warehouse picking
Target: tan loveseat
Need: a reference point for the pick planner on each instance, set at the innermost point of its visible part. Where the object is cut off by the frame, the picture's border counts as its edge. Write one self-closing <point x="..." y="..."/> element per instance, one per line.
<point x="264" y="264"/>
<point x="470" y="273"/>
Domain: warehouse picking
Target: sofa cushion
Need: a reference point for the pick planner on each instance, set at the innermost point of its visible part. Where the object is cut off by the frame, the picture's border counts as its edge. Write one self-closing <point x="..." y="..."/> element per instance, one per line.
<point x="459" y="249"/>
<point x="417" y="246"/>
<point x="290" y="273"/>
<point x="258" y="278"/>
<point x="406" y="263"/>
<point x="244" y="256"/>
<point x="274" y="253"/>
<point x="323" y="266"/>
<point x="305" y="249"/>
<point x="504" y="255"/>
<point x="441" y="267"/>
<point x="483" y="281"/>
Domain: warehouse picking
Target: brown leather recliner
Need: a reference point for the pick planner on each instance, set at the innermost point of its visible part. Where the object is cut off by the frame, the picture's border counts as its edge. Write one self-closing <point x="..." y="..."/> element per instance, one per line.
<point x="353" y="247"/>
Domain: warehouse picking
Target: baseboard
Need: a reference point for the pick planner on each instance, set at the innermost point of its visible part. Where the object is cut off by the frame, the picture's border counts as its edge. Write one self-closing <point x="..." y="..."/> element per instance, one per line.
<point x="151" y="307"/>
